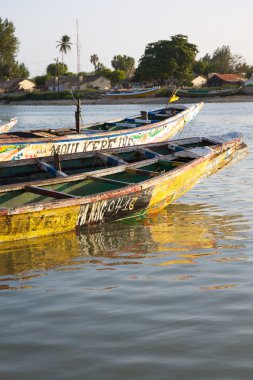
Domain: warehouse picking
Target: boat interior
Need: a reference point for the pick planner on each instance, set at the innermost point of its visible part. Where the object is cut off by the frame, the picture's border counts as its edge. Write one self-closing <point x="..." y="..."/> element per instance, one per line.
<point x="61" y="166"/>
<point x="91" y="184"/>
<point x="138" y="167"/>
<point x="145" y="118"/>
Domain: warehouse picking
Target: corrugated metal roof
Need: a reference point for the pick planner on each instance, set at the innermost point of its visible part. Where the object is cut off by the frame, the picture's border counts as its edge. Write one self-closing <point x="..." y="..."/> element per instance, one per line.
<point x="231" y="77"/>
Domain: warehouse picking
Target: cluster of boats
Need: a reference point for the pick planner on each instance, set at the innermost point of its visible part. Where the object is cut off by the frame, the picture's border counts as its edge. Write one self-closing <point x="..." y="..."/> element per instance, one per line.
<point x="57" y="180"/>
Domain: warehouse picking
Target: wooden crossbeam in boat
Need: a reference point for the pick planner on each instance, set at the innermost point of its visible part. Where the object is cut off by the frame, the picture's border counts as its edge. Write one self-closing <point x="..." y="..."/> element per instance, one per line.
<point x="176" y="148"/>
<point x="50" y="169"/>
<point x="43" y="133"/>
<point x="48" y="193"/>
<point x="110" y="159"/>
<point x="160" y="115"/>
<point x="141" y="121"/>
<point x="148" y="153"/>
<point x="108" y="180"/>
<point x="126" y="125"/>
<point x="141" y="172"/>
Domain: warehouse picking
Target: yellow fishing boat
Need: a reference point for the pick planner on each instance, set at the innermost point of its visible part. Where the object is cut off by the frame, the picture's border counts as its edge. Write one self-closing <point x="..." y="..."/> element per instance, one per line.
<point x="133" y="187"/>
<point x="132" y="93"/>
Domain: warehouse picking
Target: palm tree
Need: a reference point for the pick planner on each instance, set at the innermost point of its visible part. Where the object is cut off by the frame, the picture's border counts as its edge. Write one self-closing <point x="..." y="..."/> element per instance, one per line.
<point x="64" y="45"/>
<point x="94" y="60"/>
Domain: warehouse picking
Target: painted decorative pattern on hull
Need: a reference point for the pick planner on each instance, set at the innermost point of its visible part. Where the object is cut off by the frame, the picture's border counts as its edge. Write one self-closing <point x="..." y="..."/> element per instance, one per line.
<point x="160" y="131"/>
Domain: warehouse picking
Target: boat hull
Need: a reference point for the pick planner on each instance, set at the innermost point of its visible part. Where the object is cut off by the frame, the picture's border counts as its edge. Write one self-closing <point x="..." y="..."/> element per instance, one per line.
<point x="207" y="93"/>
<point x="149" y="196"/>
<point x="86" y="142"/>
<point x="130" y="95"/>
<point x="5" y="127"/>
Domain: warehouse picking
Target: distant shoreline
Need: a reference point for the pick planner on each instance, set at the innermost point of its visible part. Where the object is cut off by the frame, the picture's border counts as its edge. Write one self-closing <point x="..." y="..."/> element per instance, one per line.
<point x="151" y="100"/>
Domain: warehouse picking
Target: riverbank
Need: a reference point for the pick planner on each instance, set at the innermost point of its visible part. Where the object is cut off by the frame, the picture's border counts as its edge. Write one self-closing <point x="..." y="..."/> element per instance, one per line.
<point x="151" y="100"/>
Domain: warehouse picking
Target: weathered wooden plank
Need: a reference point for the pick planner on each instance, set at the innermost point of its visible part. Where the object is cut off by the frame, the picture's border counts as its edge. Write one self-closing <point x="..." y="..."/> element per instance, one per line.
<point x="110" y="158"/>
<point x="160" y="115"/>
<point x="57" y="161"/>
<point x="126" y="125"/>
<point x="48" y="193"/>
<point x="148" y="153"/>
<point x="50" y="169"/>
<point x="141" y="121"/>
<point x="176" y="148"/>
<point x="109" y="180"/>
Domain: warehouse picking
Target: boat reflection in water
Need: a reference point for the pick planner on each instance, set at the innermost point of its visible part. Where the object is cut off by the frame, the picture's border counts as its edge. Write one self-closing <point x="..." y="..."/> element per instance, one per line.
<point x="181" y="234"/>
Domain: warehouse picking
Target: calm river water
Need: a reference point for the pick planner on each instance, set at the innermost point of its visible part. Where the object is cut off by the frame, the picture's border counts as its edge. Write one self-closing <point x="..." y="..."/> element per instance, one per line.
<point x="168" y="297"/>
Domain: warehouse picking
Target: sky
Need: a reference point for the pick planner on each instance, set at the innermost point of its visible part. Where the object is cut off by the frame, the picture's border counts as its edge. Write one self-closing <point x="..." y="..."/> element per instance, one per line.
<point x="111" y="27"/>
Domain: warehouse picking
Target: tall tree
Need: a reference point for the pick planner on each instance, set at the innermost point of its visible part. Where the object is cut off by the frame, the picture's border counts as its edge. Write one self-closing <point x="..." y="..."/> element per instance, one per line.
<point x="20" y="70"/>
<point x="40" y="80"/>
<point x="222" y="60"/>
<point x="167" y="58"/>
<point x="204" y="65"/>
<point x="9" y="45"/>
<point x="54" y="68"/>
<point x="123" y="63"/>
<point x="64" y="45"/>
<point x="114" y="76"/>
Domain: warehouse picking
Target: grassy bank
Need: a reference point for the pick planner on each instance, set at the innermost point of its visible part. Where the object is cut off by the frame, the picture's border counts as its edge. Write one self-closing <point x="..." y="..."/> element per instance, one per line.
<point x="49" y="96"/>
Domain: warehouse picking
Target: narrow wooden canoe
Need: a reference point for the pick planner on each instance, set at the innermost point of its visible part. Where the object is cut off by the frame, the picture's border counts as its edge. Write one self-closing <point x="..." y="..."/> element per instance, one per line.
<point x="62" y="204"/>
<point x="5" y="125"/>
<point x="206" y="92"/>
<point x="132" y="94"/>
<point x="148" y="127"/>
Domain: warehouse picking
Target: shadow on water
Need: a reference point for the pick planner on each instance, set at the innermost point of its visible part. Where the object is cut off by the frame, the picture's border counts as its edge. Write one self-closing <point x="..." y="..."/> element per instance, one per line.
<point x="181" y="234"/>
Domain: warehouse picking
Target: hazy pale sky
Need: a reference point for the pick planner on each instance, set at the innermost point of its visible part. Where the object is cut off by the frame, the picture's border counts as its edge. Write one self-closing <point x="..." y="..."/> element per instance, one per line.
<point x="111" y="27"/>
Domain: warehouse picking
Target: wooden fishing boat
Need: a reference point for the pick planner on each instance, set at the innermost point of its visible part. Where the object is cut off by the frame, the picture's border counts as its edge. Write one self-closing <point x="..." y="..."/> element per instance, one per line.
<point x="147" y="127"/>
<point x="207" y="92"/>
<point x="132" y="93"/>
<point x="6" y="125"/>
<point x="131" y="188"/>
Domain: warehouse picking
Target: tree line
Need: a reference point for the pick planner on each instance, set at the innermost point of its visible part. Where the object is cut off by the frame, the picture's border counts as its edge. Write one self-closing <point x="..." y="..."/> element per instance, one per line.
<point x="162" y="61"/>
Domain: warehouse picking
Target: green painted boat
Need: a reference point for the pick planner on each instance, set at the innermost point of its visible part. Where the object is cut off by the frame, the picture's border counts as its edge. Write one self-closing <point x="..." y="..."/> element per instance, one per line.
<point x="207" y="92"/>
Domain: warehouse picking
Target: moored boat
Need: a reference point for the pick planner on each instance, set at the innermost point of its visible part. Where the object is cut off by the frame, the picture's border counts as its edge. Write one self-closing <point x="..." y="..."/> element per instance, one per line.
<point x="6" y="125"/>
<point x="207" y="92"/>
<point x="132" y="93"/>
<point x="131" y="188"/>
<point x="147" y="127"/>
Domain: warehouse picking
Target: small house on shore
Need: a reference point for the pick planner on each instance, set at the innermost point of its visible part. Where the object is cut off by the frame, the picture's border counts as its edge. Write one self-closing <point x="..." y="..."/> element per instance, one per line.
<point x="99" y="82"/>
<point x="62" y="83"/>
<point x="78" y="82"/>
<point x="199" y="81"/>
<point x="219" y="80"/>
<point x="16" y="85"/>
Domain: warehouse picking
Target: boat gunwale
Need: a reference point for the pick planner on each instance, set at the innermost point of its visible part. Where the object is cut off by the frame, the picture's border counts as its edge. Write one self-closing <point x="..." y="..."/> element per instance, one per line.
<point x="90" y="154"/>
